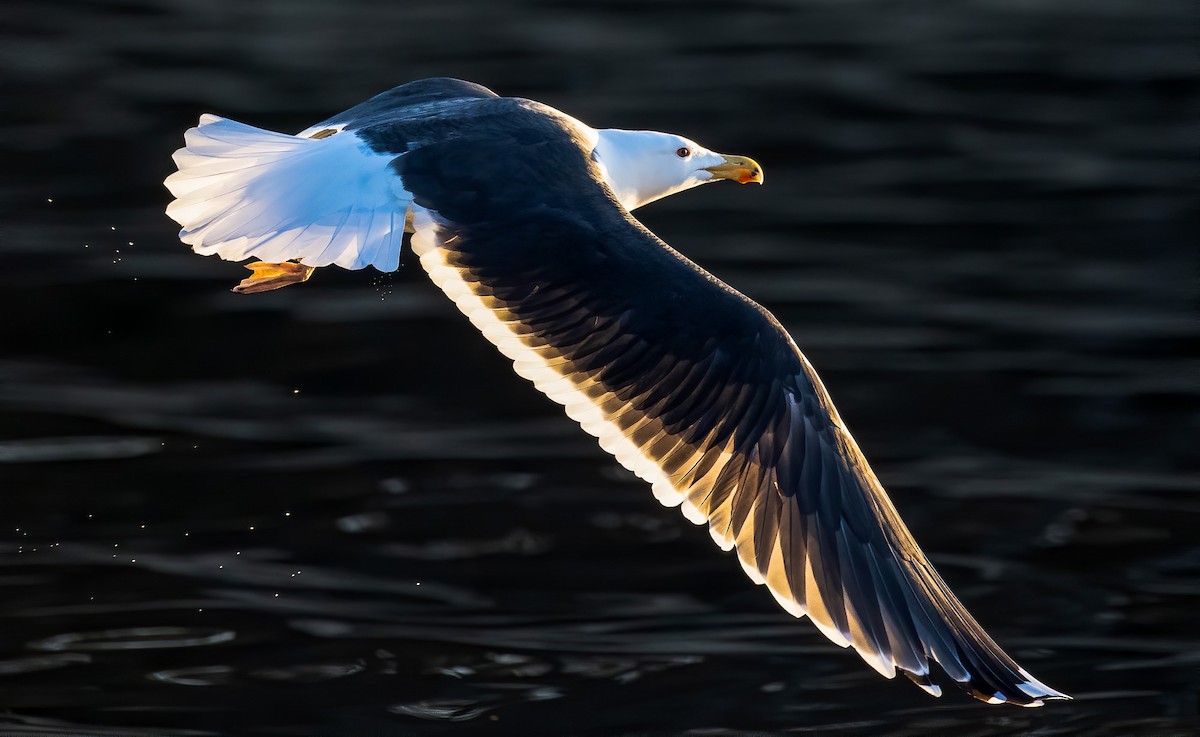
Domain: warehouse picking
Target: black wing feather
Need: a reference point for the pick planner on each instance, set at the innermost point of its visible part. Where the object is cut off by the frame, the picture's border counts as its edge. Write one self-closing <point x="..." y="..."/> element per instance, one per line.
<point x="692" y="386"/>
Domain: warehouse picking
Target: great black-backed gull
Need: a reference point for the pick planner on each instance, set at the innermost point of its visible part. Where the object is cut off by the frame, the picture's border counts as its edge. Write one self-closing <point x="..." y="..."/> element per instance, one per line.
<point x="521" y="215"/>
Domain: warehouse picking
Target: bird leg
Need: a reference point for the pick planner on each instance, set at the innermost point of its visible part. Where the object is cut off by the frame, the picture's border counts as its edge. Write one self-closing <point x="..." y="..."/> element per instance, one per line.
<point x="272" y="276"/>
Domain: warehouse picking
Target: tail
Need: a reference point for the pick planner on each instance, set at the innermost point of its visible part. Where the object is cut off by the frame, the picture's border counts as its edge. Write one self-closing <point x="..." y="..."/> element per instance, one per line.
<point x="243" y="192"/>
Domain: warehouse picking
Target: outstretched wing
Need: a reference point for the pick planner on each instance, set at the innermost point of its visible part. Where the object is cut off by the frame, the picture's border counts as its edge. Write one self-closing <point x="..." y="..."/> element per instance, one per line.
<point x="697" y="390"/>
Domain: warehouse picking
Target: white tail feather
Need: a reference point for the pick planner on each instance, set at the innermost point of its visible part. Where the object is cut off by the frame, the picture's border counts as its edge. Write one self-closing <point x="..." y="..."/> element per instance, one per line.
<point x="243" y="192"/>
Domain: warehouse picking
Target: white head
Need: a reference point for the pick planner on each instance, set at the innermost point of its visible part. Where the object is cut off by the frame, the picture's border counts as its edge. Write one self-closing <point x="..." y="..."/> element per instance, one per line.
<point x="644" y="166"/>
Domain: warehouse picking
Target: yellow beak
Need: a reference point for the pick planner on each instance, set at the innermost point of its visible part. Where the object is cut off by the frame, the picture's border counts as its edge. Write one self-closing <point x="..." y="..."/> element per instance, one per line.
<point x="741" y="169"/>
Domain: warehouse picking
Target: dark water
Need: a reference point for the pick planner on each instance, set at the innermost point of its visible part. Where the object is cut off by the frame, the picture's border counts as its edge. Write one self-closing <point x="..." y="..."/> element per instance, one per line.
<point x="333" y="510"/>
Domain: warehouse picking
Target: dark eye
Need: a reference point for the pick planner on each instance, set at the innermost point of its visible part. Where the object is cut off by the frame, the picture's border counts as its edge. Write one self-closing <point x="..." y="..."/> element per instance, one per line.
<point x="683" y="152"/>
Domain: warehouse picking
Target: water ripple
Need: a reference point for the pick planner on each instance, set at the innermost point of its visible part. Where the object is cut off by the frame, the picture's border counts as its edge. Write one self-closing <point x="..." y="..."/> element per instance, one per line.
<point x="35" y="663"/>
<point x="466" y="709"/>
<point x="41" y="450"/>
<point x="137" y="638"/>
<point x="209" y="675"/>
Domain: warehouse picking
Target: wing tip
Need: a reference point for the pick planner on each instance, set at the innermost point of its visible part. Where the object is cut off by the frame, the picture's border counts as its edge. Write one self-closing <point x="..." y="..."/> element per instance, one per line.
<point x="1029" y="693"/>
<point x="1037" y="690"/>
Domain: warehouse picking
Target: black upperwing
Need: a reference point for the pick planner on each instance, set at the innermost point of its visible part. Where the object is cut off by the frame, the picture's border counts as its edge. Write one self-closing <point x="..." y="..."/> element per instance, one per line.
<point x="695" y="388"/>
<point x="399" y="101"/>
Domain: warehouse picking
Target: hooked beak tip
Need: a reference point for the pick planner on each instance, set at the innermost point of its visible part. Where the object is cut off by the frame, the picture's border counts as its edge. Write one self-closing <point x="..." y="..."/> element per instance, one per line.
<point x="741" y="169"/>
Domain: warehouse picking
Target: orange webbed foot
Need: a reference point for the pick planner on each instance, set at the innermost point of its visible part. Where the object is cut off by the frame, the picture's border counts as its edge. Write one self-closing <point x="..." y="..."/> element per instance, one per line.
<point x="272" y="276"/>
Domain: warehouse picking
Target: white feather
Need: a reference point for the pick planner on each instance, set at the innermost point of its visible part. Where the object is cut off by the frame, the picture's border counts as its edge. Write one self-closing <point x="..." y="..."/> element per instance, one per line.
<point x="243" y="192"/>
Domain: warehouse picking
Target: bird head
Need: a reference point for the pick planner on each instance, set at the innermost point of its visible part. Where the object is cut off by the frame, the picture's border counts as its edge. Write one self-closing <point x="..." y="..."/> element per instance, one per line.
<point x="643" y="166"/>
